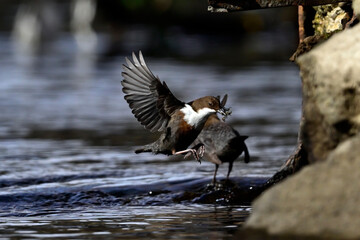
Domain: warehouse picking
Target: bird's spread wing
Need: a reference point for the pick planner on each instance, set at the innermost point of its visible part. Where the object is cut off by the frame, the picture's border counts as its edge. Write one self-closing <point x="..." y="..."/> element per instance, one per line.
<point x="151" y="101"/>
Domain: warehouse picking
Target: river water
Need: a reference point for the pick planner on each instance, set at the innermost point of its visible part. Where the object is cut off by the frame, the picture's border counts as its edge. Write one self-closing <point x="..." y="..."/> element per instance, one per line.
<point x="67" y="138"/>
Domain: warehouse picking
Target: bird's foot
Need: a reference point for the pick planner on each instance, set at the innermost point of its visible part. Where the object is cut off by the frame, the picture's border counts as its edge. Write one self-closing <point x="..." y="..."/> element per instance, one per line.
<point x="201" y="150"/>
<point x="192" y="152"/>
<point x="197" y="152"/>
<point x="189" y="154"/>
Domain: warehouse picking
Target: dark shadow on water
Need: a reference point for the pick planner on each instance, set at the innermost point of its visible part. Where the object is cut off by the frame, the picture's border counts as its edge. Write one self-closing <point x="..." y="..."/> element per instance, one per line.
<point x="238" y="191"/>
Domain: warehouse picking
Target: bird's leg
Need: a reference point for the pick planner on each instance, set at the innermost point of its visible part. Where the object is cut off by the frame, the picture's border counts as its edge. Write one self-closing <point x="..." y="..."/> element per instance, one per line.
<point x="197" y="151"/>
<point x="188" y="153"/>
<point x="200" y="150"/>
<point x="215" y="172"/>
<point x="229" y="170"/>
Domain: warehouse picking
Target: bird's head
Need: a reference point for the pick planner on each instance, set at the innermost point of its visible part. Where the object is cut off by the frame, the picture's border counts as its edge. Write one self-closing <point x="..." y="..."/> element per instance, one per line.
<point x="199" y="110"/>
<point x="211" y="104"/>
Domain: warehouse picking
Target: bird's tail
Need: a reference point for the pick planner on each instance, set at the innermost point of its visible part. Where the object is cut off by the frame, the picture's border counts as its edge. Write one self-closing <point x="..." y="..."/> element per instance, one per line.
<point x="246" y="151"/>
<point x="146" y="148"/>
<point x="247" y="155"/>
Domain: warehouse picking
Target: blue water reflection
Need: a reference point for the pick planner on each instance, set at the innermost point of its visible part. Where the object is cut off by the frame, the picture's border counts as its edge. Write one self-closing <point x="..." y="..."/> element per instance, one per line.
<point x="67" y="138"/>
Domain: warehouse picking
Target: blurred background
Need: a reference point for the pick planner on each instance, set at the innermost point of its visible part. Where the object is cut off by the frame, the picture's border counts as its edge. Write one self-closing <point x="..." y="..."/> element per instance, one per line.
<point x="159" y="27"/>
<point x="67" y="136"/>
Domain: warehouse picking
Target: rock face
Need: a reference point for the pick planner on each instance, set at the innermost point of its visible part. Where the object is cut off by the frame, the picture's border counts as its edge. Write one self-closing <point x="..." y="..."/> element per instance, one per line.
<point x="331" y="93"/>
<point x="356" y="7"/>
<point x="322" y="200"/>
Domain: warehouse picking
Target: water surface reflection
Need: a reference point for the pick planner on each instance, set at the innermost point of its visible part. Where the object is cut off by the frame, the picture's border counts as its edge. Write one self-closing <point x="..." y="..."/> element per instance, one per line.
<point x="66" y="149"/>
<point x="131" y="222"/>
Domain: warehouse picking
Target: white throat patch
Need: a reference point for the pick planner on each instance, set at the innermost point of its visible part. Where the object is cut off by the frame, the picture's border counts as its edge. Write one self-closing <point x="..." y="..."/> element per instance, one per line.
<point x="192" y="117"/>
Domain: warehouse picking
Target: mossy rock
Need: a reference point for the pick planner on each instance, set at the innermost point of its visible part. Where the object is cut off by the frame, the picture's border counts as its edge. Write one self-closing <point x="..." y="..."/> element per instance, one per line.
<point x="329" y="19"/>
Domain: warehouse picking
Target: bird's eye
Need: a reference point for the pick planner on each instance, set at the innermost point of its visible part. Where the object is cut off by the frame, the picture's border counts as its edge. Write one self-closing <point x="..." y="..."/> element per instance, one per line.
<point x="211" y="104"/>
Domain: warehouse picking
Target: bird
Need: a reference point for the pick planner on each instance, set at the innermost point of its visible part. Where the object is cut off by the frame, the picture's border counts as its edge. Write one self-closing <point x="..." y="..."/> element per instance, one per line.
<point x="158" y="110"/>
<point x="222" y="143"/>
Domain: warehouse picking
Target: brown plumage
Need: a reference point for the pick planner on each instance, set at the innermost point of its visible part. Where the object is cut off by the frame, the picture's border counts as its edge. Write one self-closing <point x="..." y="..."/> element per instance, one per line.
<point x="157" y="109"/>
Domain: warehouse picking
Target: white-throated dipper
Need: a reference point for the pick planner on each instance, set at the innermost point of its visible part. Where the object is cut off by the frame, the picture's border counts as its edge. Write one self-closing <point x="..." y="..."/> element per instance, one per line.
<point x="157" y="109"/>
<point x="222" y="142"/>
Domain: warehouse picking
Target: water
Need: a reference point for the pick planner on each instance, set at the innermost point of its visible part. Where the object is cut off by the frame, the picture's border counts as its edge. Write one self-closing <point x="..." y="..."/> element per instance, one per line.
<point x="131" y="222"/>
<point x="67" y="138"/>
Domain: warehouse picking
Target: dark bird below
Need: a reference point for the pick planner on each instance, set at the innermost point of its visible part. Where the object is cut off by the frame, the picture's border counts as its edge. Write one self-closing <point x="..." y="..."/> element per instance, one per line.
<point x="222" y="143"/>
<point x="157" y="109"/>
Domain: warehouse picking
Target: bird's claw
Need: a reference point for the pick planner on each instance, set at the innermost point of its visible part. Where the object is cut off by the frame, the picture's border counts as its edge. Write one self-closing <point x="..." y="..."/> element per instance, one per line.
<point x="201" y="151"/>
<point x="197" y="152"/>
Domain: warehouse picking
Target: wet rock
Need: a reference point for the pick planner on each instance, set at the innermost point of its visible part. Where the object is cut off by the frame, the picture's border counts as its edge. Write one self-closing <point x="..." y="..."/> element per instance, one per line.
<point x="226" y="192"/>
<point x="331" y="99"/>
<point x="320" y="201"/>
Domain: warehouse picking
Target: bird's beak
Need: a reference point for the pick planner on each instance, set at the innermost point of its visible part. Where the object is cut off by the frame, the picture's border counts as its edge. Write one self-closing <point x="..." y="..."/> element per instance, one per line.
<point x="221" y="111"/>
<point x="223" y="101"/>
<point x="225" y="111"/>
